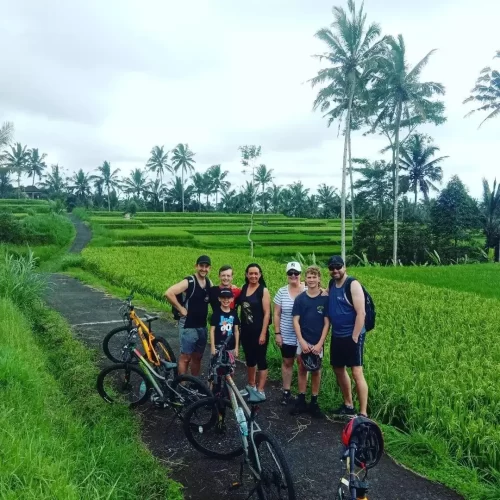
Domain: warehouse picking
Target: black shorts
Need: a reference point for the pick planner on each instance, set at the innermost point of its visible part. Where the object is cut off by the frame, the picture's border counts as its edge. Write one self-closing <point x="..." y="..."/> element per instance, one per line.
<point x="345" y="352"/>
<point x="255" y="354"/>
<point x="288" y="351"/>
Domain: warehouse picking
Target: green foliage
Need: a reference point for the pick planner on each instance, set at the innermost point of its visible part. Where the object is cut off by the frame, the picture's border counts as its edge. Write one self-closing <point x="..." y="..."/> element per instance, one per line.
<point x="11" y="228"/>
<point x="48" y="229"/>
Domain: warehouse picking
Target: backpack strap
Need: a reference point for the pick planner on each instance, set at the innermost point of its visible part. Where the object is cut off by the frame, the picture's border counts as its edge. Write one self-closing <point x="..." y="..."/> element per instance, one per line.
<point x="347" y="288"/>
<point x="190" y="289"/>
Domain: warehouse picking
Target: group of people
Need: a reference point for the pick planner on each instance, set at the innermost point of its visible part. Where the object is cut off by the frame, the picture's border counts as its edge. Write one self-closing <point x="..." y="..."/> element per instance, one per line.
<point x="304" y="313"/>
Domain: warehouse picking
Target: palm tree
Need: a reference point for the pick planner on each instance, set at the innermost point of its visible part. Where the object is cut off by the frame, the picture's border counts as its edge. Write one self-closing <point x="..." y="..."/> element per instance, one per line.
<point x="329" y="200"/>
<point x="182" y="158"/>
<point x="422" y="170"/>
<point x="81" y="186"/>
<point x="54" y="182"/>
<point x="5" y="185"/>
<point x="218" y="182"/>
<point x="158" y="163"/>
<point x="109" y="179"/>
<point x="353" y="53"/>
<point x="263" y="176"/>
<point x="136" y="184"/>
<point x="229" y="200"/>
<point x="399" y="94"/>
<point x="487" y="93"/>
<point x="6" y="133"/>
<point x="156" y="192"/>
<point x="276" y="196"/>
<point x="36" y="165"/>
<point x="490" y="215"/>
<point x="16" y="160"/>
<point x="208" y="186"/>
<point x="179" y="193"/>
<point x="198" y="187"/>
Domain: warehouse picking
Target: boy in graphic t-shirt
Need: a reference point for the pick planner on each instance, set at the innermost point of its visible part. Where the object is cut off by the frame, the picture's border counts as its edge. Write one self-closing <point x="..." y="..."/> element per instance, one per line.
<point x="224" y="324"/>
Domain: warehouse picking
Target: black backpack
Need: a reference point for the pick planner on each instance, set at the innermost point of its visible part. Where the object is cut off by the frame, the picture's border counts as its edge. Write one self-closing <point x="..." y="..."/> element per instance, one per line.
<point x="370" y="311"/>
<point x="183" y="298"/>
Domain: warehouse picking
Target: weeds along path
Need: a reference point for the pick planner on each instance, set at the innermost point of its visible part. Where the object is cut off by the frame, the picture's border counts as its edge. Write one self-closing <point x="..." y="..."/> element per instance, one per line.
<point x="311" y="447"/>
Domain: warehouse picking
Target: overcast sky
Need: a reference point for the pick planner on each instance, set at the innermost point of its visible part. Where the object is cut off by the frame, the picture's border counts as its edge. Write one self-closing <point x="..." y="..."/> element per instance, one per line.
<point x="88" y="81"/>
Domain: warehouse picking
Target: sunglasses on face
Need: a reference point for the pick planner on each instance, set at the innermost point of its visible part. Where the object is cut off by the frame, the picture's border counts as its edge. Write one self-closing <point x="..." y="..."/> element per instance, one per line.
<point x="293" y="273"/>
<point x="335" y="268"/>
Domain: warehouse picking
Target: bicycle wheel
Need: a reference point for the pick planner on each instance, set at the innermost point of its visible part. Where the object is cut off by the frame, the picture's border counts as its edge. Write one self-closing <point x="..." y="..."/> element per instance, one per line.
<point x="115" y="345"/>
<point x="124" y="384"/>
<point x="184" y="390"/>
<point x="165" y="353"/>
<point x="210" y="426"/>
<point x="276" y="478"/>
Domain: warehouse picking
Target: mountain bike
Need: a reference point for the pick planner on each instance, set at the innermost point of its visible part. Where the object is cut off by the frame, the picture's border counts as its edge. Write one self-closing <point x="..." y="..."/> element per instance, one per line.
<point x="115" y="343"/>
<point x="363" y="448"/>
<point x="134" y="382"/>
<point x="224" y="426"/>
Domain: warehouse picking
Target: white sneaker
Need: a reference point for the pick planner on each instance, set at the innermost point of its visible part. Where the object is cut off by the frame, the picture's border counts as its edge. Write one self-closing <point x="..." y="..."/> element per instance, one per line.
<point x="244" y="392"/>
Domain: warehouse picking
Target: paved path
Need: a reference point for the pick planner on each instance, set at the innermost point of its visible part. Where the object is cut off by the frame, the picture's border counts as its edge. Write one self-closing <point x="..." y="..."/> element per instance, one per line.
<point x="312" y="448"/>
<point x="83" y="235"/>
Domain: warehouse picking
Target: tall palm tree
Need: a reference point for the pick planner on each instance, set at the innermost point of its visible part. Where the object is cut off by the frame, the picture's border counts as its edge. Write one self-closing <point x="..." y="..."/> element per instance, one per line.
<point x="183" y="159"/>
<point x="353" y="51"/>
<point x="490" y="215"/>
<point x="487" y="93"/>
<point x="158" y="163"/>
<point x="328" y="199"/>
<point x="218" y="182"/>
<point x="198" y="187"/>
<point x="155" y="192"/>
<point x="422" y="170"/>
<point x="276" y="196"/>
<point x="36" y="165"/>
<point x="208" y="186"/>
<point x="16" y="160"/>
<point x="399" y="94"/>
<point x="136" y="184"/>
<point x="54" y="182"/>
<point x="229" y="200"/>
<point x="6" y="133"/>
<point x="179" y="193"/>
<point x="263" y="176"/>
<point x="81" y="186"/>
<point x="109" y="179"/>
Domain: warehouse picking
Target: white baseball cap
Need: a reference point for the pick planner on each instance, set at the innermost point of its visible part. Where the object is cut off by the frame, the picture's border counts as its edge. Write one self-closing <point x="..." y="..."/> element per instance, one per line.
<point x="293" y="265"/>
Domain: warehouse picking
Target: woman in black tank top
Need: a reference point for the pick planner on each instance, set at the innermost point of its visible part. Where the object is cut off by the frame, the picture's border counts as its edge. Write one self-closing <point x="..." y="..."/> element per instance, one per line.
<point x="255" y="303"/>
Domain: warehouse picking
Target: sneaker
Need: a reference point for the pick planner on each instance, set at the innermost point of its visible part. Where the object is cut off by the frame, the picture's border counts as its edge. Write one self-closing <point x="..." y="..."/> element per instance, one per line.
<point x="286" y="398"/>
<point x="245" y="393"/>
<point x="344" y="410"/>
<point x="315" y="411"/>
<point x="299" y="407"/>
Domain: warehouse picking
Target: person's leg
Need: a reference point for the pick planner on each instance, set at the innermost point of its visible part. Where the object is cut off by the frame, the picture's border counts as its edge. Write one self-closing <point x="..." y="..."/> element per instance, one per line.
<point x="361" y="388"/>
<point x="302" y="379"/>
<point x="300" y="404"/>
<point x="248" y="346"/>
<point x="314" y="408"/>
<point x="187" y="337"/>
<point x="196" y="357"/>
<point x="315" y="382"/>
<point x="340" y="351"/>
<point x="183" y="363"/>
<point x="252" y="375"/>
<point x="196" y="364"/>
<point x="262" y="365"/>
<point x="344" y="383"/>
<point x="287" y="368"/>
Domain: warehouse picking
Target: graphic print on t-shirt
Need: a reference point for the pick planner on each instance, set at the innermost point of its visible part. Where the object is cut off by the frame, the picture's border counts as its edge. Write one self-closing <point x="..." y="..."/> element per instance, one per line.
<point x="224" y="323"/>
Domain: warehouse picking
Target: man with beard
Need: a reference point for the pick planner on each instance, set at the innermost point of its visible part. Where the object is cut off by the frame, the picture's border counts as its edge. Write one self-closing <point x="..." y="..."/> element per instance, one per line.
<point x="191" y="298"/>
<point x="346" y="307"/>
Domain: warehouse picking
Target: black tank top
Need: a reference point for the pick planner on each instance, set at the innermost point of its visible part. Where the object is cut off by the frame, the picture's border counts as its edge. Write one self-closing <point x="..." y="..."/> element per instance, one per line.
<point x="252" y="311"/>
<point x="197" y="306"/>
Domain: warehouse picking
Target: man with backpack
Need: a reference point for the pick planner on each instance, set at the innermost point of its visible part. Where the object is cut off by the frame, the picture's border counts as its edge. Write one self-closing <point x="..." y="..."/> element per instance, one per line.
<point x="190" y="298"/>
<point x="348" y="302"/>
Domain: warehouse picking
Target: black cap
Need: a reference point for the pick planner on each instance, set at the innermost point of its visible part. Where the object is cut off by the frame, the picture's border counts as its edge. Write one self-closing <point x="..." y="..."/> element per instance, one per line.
<point x="226" y="292"/>
<point x="336" y="260"/>
<point x="204" y="259"/>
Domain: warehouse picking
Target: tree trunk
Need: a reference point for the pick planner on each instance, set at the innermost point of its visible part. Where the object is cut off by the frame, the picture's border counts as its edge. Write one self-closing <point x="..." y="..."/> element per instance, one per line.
<point x="344" y="173"/>
<point x="216" y="199"/>
<point x="162" y="191"/>
<point x="416" y="194"/>
<point x="353" y="216"/>
<point x="109" y="201"/>
<point x="199" y="202"/>
<point x="182" y="188"/>
<point x="396" y="184"/>
<point x="251" y="216"/>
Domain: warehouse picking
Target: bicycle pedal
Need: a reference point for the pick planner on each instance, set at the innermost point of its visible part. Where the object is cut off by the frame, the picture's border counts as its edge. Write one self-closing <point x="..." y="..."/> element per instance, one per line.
<point x="235" y="486"/>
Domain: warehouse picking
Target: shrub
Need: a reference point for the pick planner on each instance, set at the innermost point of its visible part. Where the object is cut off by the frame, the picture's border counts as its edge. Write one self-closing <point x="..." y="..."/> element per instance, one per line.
<point x="11" y="228"/>
<point x="48" y="229"/>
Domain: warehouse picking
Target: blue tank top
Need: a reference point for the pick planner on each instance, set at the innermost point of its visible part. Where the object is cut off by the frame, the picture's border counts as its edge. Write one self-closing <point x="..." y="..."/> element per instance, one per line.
<point x="342" y="314"/>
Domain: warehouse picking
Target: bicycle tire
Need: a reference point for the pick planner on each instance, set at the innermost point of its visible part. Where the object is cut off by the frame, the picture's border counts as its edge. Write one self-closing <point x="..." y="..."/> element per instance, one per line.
<point x="192" y="429"/>
<point x="115" y="371"/>
<point x="286" y="481"/>
<point x="165" y="353"/>
<point x="112" y="353"/>
<point x="195" y="391"/>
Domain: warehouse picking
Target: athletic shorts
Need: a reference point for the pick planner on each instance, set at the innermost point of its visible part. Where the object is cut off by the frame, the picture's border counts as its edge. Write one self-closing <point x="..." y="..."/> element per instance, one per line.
<point x="288" y="351"/>
<point x="299" y="351"/>
<point x="192" y="340"/>
<point x="345" y="352"/>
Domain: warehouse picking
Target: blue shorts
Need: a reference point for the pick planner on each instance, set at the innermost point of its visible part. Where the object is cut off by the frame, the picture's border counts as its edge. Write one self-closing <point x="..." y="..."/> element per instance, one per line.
<point x="192" y="340"/>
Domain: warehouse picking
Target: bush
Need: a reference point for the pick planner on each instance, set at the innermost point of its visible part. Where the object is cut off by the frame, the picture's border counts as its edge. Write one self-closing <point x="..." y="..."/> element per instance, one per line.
<point x="11" y="228"/>
<point x="48" y="229"/>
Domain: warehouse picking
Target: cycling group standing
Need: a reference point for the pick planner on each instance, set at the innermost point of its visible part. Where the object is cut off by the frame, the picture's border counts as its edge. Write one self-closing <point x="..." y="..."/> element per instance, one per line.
<point x="303" y="315"/>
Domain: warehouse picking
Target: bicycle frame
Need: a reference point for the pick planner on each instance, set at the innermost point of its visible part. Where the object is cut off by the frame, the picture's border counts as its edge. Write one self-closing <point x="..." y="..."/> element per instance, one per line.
<point x="355" y="486"/>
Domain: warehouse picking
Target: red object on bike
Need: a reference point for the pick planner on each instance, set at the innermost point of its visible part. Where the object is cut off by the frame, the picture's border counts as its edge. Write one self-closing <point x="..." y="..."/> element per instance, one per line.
<point x="366" y="435"/>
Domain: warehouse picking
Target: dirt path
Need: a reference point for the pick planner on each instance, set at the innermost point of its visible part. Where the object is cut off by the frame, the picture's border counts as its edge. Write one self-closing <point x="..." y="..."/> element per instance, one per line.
<point x="313" y="453"/>
<point x="83" y="235"/>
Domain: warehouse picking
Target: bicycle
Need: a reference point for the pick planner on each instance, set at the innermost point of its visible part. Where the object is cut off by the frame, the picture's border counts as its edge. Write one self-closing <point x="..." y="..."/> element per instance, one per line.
<point x="133" y="382"/>
<point x="156" y="349"/>
<point x="363" y="447"/>
<point x="210" y="417"/>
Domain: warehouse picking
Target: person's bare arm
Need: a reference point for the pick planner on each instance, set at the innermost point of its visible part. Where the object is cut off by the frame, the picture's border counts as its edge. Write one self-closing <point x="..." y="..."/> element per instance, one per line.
<point x="277" y="319"/>
<point x="358" y="302"/>
<point x="266" y="305"/>
<point x="236" y="340"/>
<point x="212" y="340"/>
<point x="174" y="290"/>
<point x="296" y="326"/>
<point x="326" y="326"/>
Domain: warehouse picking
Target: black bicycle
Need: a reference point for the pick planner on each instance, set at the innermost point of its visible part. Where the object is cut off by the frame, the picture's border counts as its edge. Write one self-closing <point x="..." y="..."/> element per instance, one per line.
<point x="224" y="426"/>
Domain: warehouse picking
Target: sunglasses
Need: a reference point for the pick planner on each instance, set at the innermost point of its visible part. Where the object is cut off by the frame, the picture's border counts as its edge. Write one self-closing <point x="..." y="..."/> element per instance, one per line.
<point x="336" y="267"/>
<point x="293" y="273"/>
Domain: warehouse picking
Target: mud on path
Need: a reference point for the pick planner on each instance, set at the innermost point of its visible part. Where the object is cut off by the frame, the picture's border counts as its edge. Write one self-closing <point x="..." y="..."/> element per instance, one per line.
<point x="312" y="447"/>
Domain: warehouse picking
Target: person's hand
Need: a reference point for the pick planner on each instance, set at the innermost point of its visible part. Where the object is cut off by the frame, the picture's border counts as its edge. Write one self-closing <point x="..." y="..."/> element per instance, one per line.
<point x="355" y="338"/>
<point x="305" y="346"/>
<point x="183" y="311"/>
<point x="316" y="349"/>
<point x="279" y="339"/>
<point x="262" y="339"/>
